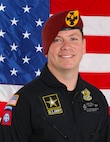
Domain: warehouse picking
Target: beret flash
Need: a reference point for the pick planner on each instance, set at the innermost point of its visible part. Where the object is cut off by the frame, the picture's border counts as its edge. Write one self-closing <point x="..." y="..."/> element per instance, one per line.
<point x="57" y="22"/>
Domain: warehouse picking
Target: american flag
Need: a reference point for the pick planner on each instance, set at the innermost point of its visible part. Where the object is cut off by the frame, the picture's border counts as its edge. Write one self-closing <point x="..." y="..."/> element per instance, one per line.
<point x="21" y="58"/>
<point x="95" y="65"/>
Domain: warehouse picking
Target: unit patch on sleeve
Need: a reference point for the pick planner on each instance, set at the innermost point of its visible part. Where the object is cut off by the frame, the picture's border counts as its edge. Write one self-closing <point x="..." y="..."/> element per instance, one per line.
<point x="52" y="104"/>
<point x="7" y="118"/>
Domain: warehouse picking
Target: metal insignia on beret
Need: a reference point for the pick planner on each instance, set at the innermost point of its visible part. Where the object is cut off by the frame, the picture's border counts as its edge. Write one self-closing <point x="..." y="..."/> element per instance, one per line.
<point x="72" y="18"/>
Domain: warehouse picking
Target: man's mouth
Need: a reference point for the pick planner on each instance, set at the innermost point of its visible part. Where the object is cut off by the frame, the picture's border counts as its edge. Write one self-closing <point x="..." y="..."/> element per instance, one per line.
<point x="66" y="56"/>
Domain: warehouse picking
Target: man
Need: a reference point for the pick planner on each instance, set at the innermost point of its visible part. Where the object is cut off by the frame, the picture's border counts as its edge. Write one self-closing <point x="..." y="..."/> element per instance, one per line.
<point x="59" y="106"/>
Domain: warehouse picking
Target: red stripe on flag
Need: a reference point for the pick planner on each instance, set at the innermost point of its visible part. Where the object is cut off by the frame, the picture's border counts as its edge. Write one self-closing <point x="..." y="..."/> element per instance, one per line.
<point x="2" y="105"/>
<point x="100" y="80"/>
<point x="94" y="8"/>
<point x="97" y="44"/>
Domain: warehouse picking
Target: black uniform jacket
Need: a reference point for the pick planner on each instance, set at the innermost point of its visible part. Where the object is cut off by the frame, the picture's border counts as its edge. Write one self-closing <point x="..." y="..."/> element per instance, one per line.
<point x="44" y="111"/>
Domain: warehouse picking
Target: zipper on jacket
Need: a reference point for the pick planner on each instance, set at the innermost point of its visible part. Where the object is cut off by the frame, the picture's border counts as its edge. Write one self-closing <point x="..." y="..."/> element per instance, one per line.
<point x="58" y="130"/>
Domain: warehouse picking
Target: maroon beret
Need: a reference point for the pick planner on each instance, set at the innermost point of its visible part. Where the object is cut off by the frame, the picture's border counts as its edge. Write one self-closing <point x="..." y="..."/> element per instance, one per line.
<point x="65" y="19"/>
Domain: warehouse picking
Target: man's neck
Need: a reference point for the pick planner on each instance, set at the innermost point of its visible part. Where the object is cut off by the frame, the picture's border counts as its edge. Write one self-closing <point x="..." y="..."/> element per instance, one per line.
<point x="69" y="81"/>
<point x="67" y="77"/>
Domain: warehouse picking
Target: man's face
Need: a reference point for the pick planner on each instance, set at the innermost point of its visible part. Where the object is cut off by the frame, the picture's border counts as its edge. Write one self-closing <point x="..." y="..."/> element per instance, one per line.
<point x="66" y="50"/>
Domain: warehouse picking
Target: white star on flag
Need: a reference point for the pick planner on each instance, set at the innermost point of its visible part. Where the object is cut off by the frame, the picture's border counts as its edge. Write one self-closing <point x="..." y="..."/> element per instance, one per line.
<point x="26" y="59"/>
<point x="13" y="47"/>
<point x="13" y="72"/>
<point x="2" y="58"/>
<point x="2" y="7"/>
<point x="39" y="22"/>
<point x="39" y="48"/>
<point x="38" y="72"/>
<point x="26" y="9"/>
<point x="26" y="35"/>
<point x="14" y="21"/>
<point x="2" y="33"/>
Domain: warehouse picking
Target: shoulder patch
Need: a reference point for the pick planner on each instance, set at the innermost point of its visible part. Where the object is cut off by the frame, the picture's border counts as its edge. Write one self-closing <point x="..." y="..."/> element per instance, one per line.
<point x="7" y="118"/>
<point x="13" y="100"/>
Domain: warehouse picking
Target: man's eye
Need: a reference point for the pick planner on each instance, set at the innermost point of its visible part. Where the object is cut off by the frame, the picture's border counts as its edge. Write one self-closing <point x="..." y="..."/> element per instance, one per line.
<point x="57" y="40"/>
<point x="74" y="38"/>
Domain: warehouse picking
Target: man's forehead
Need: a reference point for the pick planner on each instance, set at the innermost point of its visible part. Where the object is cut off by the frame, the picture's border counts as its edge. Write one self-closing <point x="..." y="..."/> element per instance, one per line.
<point x="69" y="32"/>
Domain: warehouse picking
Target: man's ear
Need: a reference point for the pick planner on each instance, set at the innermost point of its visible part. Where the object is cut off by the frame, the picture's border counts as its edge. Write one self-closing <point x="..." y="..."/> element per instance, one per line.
<point x="84" y="45"/>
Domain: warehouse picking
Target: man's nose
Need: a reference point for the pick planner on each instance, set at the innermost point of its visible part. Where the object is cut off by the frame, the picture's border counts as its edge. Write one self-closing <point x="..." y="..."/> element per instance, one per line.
<point x="65" y="45"/>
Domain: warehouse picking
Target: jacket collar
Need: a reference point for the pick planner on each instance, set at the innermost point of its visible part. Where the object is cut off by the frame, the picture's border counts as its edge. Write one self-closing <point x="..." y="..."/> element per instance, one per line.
<point x="49" y="79"/>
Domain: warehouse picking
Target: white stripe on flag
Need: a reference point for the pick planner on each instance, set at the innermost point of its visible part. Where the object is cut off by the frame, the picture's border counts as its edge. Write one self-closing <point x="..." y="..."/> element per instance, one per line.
<point x="95" y="63"/>
<point x="96" y="25"/>
<point x="6" y="91"/>
<point x="106" y="93"/>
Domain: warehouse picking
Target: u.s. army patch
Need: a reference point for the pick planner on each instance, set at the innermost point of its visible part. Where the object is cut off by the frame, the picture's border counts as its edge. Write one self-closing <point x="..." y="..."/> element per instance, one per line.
<point x="52" y="104"/>
<point x="86" y="95"/>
